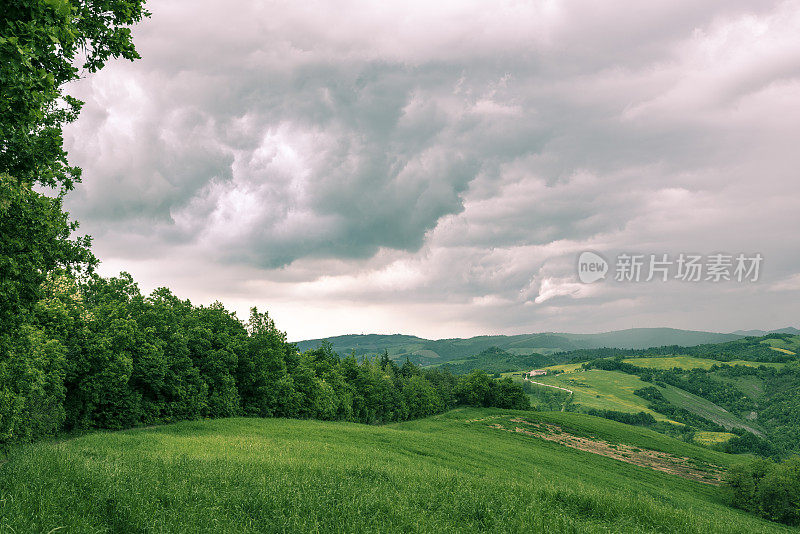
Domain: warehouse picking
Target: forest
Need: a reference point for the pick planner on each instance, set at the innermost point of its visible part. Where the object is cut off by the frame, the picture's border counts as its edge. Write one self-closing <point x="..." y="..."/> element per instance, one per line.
<point x="99" y="354"/>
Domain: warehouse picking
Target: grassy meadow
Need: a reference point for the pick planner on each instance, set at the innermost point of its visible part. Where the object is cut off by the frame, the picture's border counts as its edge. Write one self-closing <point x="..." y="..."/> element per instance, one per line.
<point x="613" y="390"/>
<point x="691" y="362"/>
<point x="603" y="390"/>
<point x="448" y="473"/>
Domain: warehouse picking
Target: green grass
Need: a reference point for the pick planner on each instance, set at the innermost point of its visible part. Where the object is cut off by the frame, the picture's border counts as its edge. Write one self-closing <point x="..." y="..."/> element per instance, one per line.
<point x="613" y="390"/>
<point x="707" y="409"/>
<point x="442" y="474"/>
<point x="603" y="390"/>
<point x="690" y="362"/>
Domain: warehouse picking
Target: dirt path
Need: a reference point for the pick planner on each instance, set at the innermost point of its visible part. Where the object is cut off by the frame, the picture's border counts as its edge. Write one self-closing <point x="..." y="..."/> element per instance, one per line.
<point x="657" y="460"/>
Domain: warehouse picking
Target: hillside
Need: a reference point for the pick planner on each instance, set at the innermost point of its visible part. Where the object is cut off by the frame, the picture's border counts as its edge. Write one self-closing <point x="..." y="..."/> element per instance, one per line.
<point x="708" y="393"/>
<point x="429" y="352"/>
<point x="495" y="360"/>
<point x="788" y="330"/>
<point x="466" y="470"/>
<point x="597" y="389"/>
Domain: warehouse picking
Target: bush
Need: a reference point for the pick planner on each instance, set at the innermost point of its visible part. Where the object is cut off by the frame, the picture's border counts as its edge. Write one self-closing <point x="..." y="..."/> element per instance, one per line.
<point x="479" y="389"/>
<point x="768" y="489"/>
<point x="749" y="443"/>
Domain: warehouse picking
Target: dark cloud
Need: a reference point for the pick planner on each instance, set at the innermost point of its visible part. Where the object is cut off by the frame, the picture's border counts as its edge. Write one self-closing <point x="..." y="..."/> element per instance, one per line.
<point x="449" y="156"/>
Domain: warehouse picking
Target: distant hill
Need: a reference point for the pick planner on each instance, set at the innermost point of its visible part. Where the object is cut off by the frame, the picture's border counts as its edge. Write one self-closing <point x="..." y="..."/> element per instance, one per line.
<point x="642" y="338"/>
<point x="788" y="330"/>
<point x="495" y="360"/>
<point x="428" y="352"/>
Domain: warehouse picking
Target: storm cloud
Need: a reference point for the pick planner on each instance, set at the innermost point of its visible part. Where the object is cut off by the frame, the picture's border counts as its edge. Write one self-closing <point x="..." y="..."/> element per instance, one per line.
<point x="437" y="168"/>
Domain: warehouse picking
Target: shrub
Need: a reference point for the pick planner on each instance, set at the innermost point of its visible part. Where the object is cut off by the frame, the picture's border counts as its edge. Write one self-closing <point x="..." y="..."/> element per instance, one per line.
<point x="768" y="489"/>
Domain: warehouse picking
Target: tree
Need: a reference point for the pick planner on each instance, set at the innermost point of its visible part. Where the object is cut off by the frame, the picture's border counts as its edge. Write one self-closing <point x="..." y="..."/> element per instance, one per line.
<point x="510" y="395"/>
<point x="39" y="42"/>
<point x="264" y="384"/>
<point x="475" y="389"/>
<point x="767" y="488"/>
<point x="32" y="391"/>
<point x="421" y="398"/>
<point x="217" y="340"/>
<point x="113" y="355"/>
<point x="34" y="240"/>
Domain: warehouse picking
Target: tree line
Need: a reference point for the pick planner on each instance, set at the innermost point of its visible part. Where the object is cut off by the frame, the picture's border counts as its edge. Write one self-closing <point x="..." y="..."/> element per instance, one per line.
<point x="99" y="354"/>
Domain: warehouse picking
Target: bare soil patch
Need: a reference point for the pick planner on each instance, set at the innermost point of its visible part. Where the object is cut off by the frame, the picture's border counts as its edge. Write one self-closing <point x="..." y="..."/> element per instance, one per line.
<point x="660" y="461"/>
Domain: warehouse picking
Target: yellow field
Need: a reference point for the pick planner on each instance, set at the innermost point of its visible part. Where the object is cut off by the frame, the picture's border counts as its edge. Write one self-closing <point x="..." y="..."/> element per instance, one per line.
<point x="785" y="351"/>
<point x="710" y="438"/>
<point x="566" y="367"/>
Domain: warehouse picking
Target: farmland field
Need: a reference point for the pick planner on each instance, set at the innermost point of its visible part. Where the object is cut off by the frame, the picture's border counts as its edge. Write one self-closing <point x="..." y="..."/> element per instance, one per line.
<point x="603" y="390"/>
<point x="789" y="345"/>
<point x="711" y="438"/>
<point x="689" y="362"/>
<point x="707" y="409"/>
<point x="613" y="390"/>
<point x="463" y="471"/>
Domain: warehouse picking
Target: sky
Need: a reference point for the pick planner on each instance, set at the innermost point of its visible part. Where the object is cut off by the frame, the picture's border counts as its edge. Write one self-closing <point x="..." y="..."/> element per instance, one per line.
<point x="437" y="168"/>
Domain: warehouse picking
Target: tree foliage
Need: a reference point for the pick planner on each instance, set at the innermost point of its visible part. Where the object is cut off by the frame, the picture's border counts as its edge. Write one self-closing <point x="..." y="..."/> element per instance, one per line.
<point x="40" y="42"/>
<point x="97" y="353"/>
<point x="34" y="240"/>
<point x="768" y="489"/>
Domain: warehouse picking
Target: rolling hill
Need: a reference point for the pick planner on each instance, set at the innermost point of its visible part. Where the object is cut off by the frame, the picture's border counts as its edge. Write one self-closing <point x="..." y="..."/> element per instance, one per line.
<point x="612" y="390"/>
<point x="468" y="470"/>
<point x="788" y="330"/>
<point x="713" y="391"/>
<point x="429" y="352"/>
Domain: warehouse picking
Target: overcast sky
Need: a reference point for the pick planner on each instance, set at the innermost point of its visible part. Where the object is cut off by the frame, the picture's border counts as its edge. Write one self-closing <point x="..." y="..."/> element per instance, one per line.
<point x="436" y="168"/>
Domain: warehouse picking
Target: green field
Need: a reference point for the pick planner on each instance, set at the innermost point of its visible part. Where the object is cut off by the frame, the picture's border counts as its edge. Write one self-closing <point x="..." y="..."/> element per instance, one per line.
<point x="690" y="362"/>
<point x="448" y="473"/>
<point x="707" y="409"/>
<point x="752" y="386"/>
<point x="603" y="390"/>
<point x="613" y="390"/>
<point x="788" y="346"/>
<point x="566" y="367"/>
